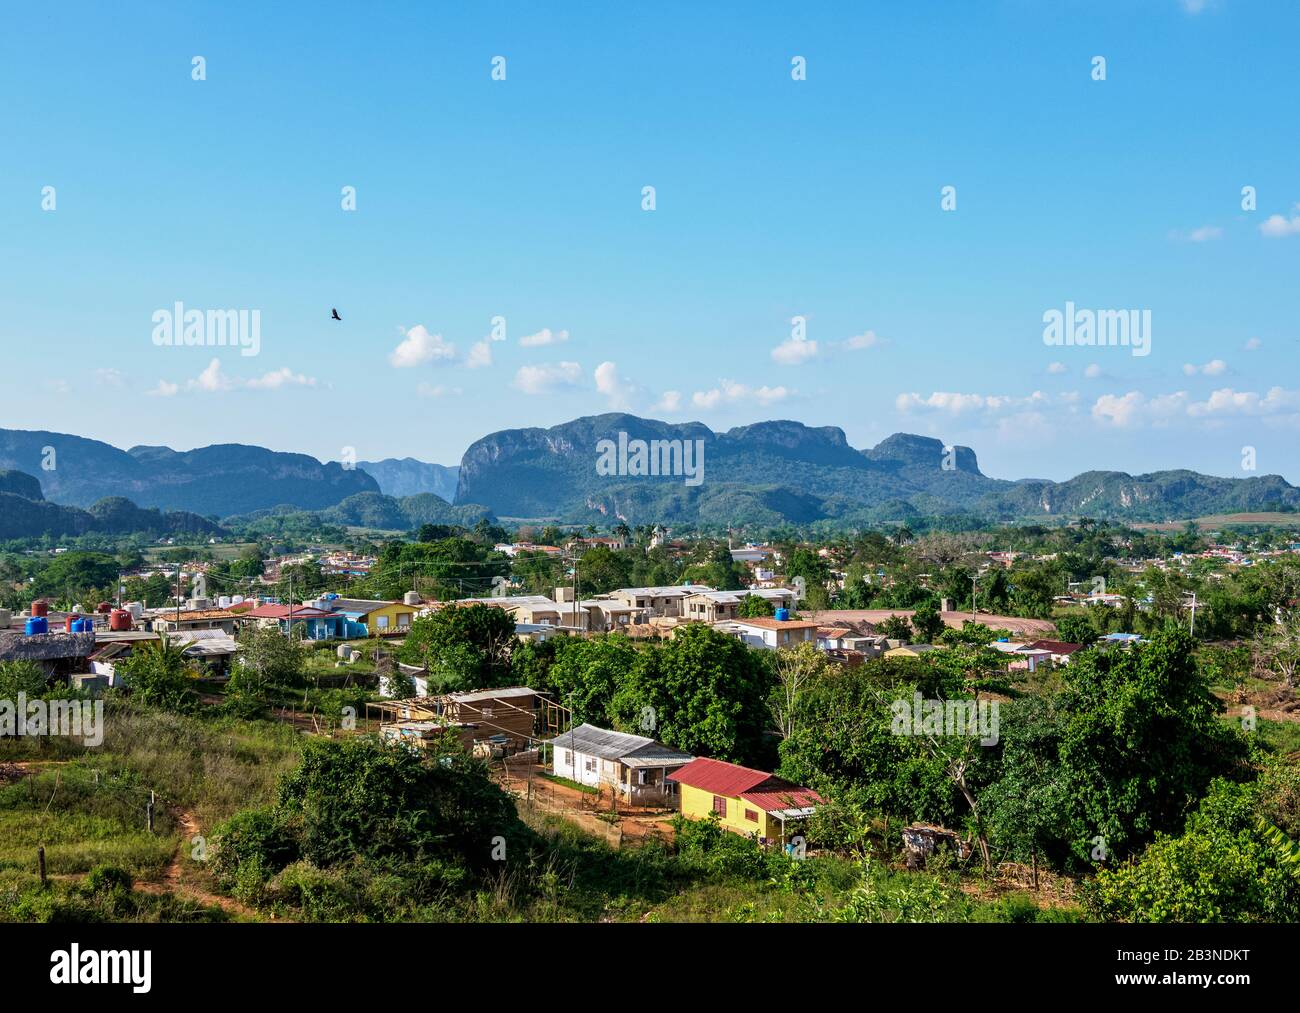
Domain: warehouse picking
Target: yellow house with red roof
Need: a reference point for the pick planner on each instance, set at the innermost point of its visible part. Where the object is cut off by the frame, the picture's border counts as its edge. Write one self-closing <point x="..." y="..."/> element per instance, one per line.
<point x="746" y="801"/>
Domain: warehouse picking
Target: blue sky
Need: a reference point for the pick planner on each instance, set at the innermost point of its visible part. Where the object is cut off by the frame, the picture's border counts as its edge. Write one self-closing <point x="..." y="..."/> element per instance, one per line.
<point x="775" y="199"/>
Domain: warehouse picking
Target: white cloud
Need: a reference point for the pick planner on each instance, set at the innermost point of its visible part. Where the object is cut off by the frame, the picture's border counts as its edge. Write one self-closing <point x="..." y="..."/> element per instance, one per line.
<point x="1227" y="401"/>
<point x="1252" y="345"/>
<point x="794" y="351"/>
<point x="1215" y="367"/>
<point x="868" y="339"/>
<point x="283" y="377"/>
<point x="669" y="401"/>
<point x="1056" y="368"/>
<point x="543" y="337"/>
<point x="547" y="377"/>
<point x="1194" y="6"/>
<point x="1093" y="371"/>
<point x="480" y="355"/>
<point x="110" y="377"/>
<point x="419" y="347"/>
<point x="1202" y="234"/>
<point x="953" y="403"/>
<point x="1280" y="226"/>
<point x="1133" y="408"/>
<point x="58" y="386"/>
<point x="613" y="388"/>
<point x="730" y="392"/>
<point x="213" y="380"/>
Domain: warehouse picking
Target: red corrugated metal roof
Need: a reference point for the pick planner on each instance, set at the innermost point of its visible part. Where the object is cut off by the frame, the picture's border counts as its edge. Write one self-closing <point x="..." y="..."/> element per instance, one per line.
<point x="777" y="795"/>
<point x="719" y="777"/>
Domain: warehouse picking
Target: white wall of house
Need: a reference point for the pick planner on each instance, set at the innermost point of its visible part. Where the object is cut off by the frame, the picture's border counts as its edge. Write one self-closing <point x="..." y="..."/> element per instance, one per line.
<point x="575" y="766"/>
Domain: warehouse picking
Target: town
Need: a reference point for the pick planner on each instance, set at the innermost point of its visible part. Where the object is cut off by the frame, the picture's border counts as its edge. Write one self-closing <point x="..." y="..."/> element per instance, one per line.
<point x="638" y="715"/>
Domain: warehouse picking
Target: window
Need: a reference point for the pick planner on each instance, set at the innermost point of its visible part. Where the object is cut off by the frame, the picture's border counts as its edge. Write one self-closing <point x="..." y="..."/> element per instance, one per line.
<point x="568" y="758"/>
<point x="590" y="765"/>
<point x="751" y="815"/>
<point x="720" y="806"/>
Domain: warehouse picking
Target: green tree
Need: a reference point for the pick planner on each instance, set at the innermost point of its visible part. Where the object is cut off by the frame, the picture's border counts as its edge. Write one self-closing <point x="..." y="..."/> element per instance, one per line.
<point x="896" y="628"/>
<point x="267" y="658"/>
<point x="1232" y="863"/>
<point x="1077" y="628"/>
<point x="702" y="691"/>
<point x="753" y="607"/>
<point x="160" y="676"/>
<point x="927" y="623"/>
<point x="463" y="646"/>
<point x="1140" y="739"/>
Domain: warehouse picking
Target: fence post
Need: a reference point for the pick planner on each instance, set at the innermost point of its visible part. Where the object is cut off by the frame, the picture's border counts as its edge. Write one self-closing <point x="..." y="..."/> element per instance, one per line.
<point x="40" y="862"/>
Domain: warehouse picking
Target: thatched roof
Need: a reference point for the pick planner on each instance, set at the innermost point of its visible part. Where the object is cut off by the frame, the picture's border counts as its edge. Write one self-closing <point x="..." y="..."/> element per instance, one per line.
<point x="45" y="646"/>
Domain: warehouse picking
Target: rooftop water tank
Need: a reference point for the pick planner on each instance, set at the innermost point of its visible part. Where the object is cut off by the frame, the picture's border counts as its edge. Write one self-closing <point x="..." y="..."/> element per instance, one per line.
<point x="119" y="620"/>
<point x="223" y="601"/>
<point x="37" y="624"/>
<point x="782" y="615"/>
<point x="40" y="609"/>
<point x="136" y="608"/>
<point x="411" y="598"/>
<point x="237" y="599"/>
<point x="69" y="620"/>
<point x="104" y="607"/>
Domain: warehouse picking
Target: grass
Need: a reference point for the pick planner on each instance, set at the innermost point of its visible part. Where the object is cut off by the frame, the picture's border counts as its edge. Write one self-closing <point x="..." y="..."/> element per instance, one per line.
<point x="586" y="789"/>
<point x="1281" y="736"/>
<point x="212" y="767"/>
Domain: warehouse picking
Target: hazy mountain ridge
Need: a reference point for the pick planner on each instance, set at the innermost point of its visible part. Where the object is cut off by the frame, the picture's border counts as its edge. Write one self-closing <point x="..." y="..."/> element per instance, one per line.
<point x="31" y="516"/>
<point x="217" y="480"/>
<point x="406" y="476"/>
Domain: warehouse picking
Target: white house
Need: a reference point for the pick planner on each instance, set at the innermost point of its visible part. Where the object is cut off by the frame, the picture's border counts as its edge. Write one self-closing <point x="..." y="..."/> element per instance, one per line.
<point x="639" y="767"/>
<point x="770" y="634"/>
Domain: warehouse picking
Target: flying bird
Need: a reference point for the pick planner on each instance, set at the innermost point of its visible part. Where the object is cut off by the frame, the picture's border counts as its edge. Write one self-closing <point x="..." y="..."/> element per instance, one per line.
<point x="334" y="315"/>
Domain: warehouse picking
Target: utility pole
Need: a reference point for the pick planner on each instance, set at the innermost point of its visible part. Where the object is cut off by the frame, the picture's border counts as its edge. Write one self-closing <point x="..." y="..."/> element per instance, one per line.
<point x="575" y="588"/>
<point x="974" y="614"/>
<point x="1193" y="594"/>
<point x="178" y="597"/>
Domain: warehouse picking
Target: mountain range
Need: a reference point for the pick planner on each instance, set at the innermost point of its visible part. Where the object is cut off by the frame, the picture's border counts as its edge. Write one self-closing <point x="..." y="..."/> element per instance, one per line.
<point x="768" y="473"/>
<point x="226" y="478"/>
<point x="785" y="472"/>
<point x="406" y="476"/>
<point x="25" y="513"/>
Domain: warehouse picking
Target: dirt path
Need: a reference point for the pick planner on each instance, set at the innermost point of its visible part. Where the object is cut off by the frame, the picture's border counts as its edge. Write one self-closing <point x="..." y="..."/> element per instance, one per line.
<point x="173" y="877"/>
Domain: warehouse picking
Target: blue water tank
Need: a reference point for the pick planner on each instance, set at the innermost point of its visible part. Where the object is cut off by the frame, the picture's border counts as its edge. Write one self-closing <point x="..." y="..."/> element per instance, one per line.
<point x="83" y="626"/>
<point x="37" y="624"/>
<point x="782" y="615"/>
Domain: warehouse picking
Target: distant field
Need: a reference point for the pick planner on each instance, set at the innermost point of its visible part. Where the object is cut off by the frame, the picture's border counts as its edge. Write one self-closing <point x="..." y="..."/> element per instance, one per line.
<point x="223" y="551"/>
<point x="1226" y="520"/>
